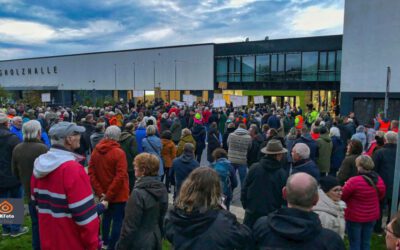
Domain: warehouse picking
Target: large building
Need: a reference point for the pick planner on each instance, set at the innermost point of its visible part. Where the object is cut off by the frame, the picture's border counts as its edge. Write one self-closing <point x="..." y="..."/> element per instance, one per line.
<point x="371" y="43"/>
<point x="297" y="70"/>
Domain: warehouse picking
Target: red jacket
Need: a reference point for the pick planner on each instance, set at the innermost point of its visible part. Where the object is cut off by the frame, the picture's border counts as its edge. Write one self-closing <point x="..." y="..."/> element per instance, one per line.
<point x="108" y="171"/>
<point x="362" y="199"/>
<point x="206" y="116"/>
<point x="63" y="197"/>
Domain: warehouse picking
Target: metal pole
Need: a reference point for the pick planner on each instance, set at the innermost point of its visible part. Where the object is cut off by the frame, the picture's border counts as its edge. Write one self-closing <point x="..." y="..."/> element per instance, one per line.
<point x="134" y="76"/>
<point x="396" y="181"/>
<point x="115" y="76"/>
<point x="387" y="91"/>
<point x="175" y="74"/>
<point x="154" y="74"/>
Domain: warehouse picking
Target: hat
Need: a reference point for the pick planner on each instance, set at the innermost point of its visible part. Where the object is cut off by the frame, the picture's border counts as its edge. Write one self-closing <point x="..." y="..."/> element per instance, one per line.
<point x="274" y="147"/>
<point x="3" y="118"/>
<point x="328" y="182"/>
<point x="64" y="129"/>
<point x="197" y="116"/>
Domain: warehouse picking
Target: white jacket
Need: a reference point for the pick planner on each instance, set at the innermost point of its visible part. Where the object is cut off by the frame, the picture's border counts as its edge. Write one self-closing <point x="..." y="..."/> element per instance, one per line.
<point x="330" y="213"/>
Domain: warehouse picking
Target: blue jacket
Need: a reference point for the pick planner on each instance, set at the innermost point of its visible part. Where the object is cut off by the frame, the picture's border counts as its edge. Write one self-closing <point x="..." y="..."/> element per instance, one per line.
<point x="17" y="132"/>
<point x="306" y="166"/>
<point x="181" y="168"/>
<point x="338" y="153"/>
<point x="140" y="134"/>
<point x="274" y="122"/>
<point x="306" y="139"/>
<point x="45" y="138"/>
<point x="153" y="145"/>
<point x="225" y="170"/>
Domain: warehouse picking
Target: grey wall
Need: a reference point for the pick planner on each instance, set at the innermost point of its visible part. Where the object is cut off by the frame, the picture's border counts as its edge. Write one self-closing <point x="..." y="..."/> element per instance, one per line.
<point x="371" y="42"/>
<point x="194" y="70"/>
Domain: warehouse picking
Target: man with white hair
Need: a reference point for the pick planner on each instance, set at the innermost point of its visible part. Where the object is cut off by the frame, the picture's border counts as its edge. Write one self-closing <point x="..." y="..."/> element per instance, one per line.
<point x="108" y="171"/>
<point x="385" y="160"/>
<point x="62" y="193"/>
<point x="16" y="127"/>
<point x="23" y="157"/>
<point x="302" y="161"/>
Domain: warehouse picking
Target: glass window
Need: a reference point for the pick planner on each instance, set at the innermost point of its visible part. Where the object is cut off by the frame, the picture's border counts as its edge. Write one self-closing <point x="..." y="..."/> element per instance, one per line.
<point x="262" y="68"/>
<point x="327" y="61"/>
<point x="331" y="60"/>
<point x="322" y="60"/>
<point x="293" y="66"/>
<point x="278" y="67"/>
<point x="234" y="69"/>
<point x="309" y="66"/>
<point x="338" y="65"/>
<point x="222" y="70"/>
<point x="248" y="68"/>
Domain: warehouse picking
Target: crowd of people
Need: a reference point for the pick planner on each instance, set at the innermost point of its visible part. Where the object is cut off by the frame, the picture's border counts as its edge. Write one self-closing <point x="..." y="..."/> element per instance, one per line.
<point x="99" y="178"/>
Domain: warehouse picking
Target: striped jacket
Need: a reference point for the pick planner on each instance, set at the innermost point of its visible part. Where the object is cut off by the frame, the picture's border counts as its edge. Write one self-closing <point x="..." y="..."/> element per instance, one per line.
<point x="64" y="201"/>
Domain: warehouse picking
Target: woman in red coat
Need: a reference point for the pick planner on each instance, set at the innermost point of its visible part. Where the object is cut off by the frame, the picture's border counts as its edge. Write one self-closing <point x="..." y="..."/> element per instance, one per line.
<point x="362" y="194"/>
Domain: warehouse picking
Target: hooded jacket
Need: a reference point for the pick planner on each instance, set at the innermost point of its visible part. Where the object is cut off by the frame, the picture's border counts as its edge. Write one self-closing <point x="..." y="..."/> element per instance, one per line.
<point x="212" y="230"/>
<point x="225" y="137"/>
<point x="306" y="139"/>
<point x="331" y="213"/>
<point x="182" y="167"/>
<point x="199" y="135"/>
<point x="306" y="166"/>
<point x="63" y="197"/>
<point x="17" y="132"/>
<point x="108" y="171"/>
<point x="324" y="145"/>
<point x="168" y="152"/>
<point x="140" y="135"/>
<point x="152" y="145"/>
<point x="182" y="142"/>
<point x="176" y="130"/>
<point x="8" y="141"/>
<point x="239" y="142"/>
<point x="291" y="228"/>
<point x="95" y="138"/>
<point x="144" y="215"/>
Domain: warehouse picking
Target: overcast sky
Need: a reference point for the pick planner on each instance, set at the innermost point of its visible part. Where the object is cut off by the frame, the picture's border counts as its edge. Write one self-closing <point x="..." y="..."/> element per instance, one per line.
<point x="48" y="27"/>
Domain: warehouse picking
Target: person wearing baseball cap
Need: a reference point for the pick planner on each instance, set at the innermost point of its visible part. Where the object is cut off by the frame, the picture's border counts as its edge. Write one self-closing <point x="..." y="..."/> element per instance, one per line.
<point x="62" y="193"/>
<point x="261" y="192"/>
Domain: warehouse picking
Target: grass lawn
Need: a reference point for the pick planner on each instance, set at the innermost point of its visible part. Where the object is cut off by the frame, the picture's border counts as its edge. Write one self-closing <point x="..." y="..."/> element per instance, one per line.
<point x="24" y="242"/>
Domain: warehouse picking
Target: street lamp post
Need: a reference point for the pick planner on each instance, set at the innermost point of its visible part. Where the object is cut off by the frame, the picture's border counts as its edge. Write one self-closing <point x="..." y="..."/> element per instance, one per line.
<point x="134" y="76"/>
<point x="154" y="74"/>
<point x="175" y="74"/>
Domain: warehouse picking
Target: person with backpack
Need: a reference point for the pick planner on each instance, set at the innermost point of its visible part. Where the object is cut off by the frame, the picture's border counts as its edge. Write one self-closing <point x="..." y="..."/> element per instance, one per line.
<point x="226" y="173"/>
<point x="129" y="146"/>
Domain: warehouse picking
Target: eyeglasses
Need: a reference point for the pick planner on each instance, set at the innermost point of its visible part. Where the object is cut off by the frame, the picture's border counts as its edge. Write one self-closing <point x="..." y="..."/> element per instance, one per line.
<point x="386" y="229"/>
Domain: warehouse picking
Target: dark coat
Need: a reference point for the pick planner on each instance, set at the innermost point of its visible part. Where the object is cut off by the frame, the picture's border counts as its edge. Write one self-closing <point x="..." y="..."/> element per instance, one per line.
<point x="144" y="215"/>
<point x="8" y="141"/>
<point x="181" y="168"/>
<point x="254" y="154"/>
<point x="274" y="122"/>
<point x="212" y="230"/>
<point x="213" y="143"/>
<point x="385" y="161"/>
<point x="165" y="124"/>
<point x="176" y="130"/>
<point x="348" y="169"/>
<point x="262" y="190"/>
<point x="199" y="135"/>
<point x="290" y="228"/>
<point x="306" y="139"/>
<point x="225" y="137"/>
<point x="338" y="153"/>
<point x="306" y="166"/>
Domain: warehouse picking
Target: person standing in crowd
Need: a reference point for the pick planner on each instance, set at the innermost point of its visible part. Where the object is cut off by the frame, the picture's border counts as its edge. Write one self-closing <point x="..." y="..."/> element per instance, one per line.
<point x="152" y="144"/>
<point x="229" y="129"/>
<point x="311" y="116"/>
<point x="288" y="122"/>
<point x="108" y="171"/>
<point x="168" y="154"/>
<point x="290" y="140"/>
<point x="260" y="193"/>
<point x="308" y="140"/>
<point x="185" y="138"/>
<point x="183" y="166"/>
<point x="176" y="129"/>
<point x="296" y="226"/>
<point x="58" y="178"/>
<point x="362" y="194"/>
<point x="226" y="174"/>
<point x="385" y="160"/>
<point x="140" y="135"/>
<point x="127" y="141"/>
<point x="393" y="234"/>
<point x="324" y="151"/>
<point x="213" y="141"/>
<point x="10" y="186"/>
<point x="222" y="118"/>
<point x="98" y="134"/>
<point x="330" y="207"/>
<point x="394" y="126"/>
<point x="253" y="155"/>
<point x="348" y="168"/>
<point x="198" y="221"/>
<point x="302" y="161"/>
<point x="16" y="127"/>
<point x="274" y="121"/>
<point x="199" y="135"/>
<point x="361" y="136"/>
<point x="377" y="143"/>
<point x="145" y="210"/>
<point x="23" y="157"/>
<point x="382" y="123"/>
<point x="338" y="151"/>
<point x="239" y="142"/>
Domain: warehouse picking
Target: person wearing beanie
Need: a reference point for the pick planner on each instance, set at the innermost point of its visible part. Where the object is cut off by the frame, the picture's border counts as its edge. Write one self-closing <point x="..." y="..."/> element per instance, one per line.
<point x="330" y="207"/>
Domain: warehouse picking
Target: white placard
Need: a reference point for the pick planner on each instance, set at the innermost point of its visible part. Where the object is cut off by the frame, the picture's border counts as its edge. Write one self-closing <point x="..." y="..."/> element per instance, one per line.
<point x="235" y="100"/>
<point x="138" y="93"/>
<point x="218" y="97"/>
<point x="219" y="103"/>
<point x="258" y="99"/>
<point x="46" y="97"/>
<point x="244" y="101"/>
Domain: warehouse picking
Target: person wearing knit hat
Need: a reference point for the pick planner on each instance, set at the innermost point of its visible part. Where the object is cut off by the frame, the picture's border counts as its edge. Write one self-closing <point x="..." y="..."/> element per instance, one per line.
<point x="330" y="208"/>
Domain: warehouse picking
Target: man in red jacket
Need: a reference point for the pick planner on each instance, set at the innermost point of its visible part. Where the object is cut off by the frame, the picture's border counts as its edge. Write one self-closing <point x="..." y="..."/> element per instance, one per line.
<point x="62" y="194"/>
<point x="108" y="171"/>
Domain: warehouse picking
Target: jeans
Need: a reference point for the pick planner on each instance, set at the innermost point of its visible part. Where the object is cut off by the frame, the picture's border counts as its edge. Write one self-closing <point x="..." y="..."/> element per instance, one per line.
<point x="114" y="214"/>
<point x="35" y="226"/>
<point x="242" y="169"/>
<point x="17" y="193"/>
<point x="359" y="234"/>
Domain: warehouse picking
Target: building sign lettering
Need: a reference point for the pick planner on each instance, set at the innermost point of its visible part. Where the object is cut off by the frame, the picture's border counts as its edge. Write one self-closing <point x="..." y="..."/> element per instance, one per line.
<point x="29" y="71"/>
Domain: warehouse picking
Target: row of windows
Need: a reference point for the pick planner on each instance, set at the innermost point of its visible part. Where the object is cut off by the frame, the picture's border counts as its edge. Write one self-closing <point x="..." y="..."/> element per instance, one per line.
<point x="297" y="66"/>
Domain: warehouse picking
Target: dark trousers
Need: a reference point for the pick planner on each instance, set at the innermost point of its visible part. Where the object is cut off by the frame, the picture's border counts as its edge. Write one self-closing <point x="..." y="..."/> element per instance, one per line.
<point x="35" y="226"/>
<point x="199" y="153"/>
<point x="382" y="205"/>
<point x="16" y="193"/>
<point x="113" y="215"/>
<point x="167" y="178"/>
<point x="131" y="176"/>
<point x="359" y="235"/>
